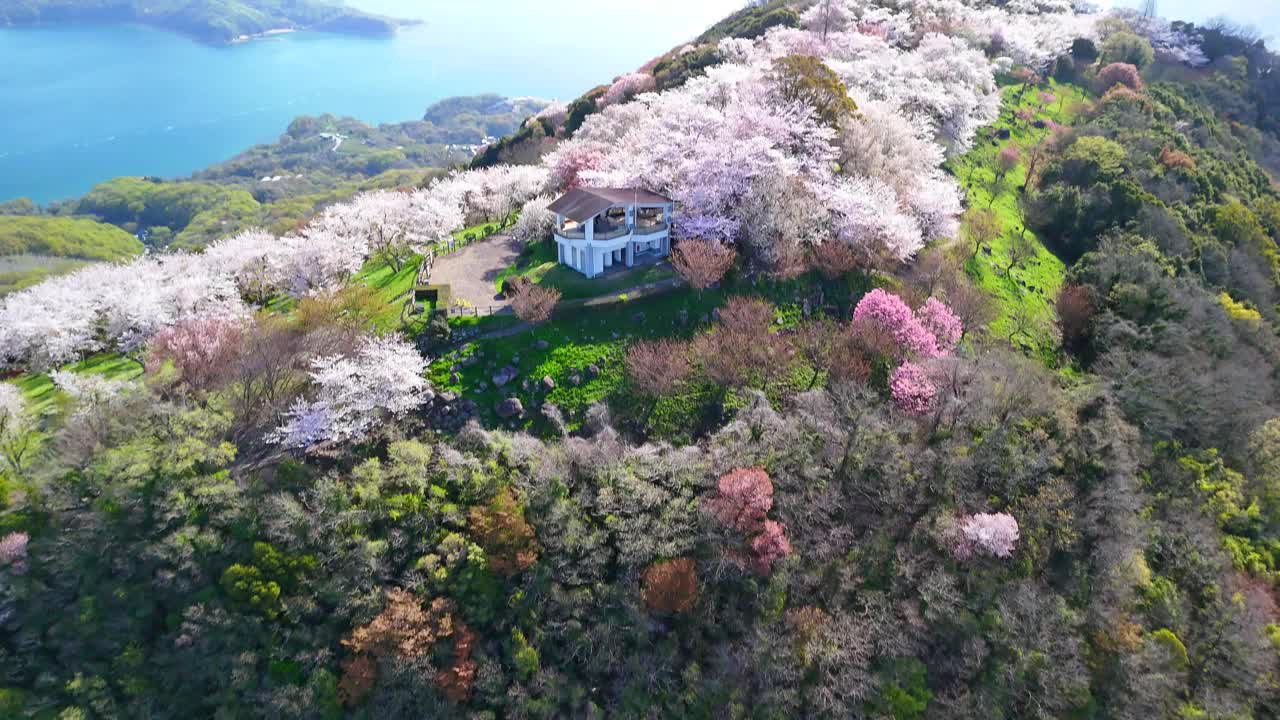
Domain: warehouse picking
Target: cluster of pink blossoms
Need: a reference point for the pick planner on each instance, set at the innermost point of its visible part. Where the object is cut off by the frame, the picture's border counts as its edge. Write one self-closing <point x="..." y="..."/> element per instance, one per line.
<point x="931" y="331"/>
<point x="743" y="503"/>
<point x="13" y="552"/>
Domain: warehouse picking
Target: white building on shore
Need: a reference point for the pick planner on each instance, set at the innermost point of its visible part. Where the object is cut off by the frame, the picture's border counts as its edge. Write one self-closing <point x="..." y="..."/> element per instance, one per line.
<point x="601" y="228"/>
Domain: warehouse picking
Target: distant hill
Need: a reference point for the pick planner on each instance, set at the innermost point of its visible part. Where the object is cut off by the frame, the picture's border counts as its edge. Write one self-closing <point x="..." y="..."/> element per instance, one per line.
<point x="317" y="153"/>
<point x="35" y="247"/>
<point x="213" y="21"/>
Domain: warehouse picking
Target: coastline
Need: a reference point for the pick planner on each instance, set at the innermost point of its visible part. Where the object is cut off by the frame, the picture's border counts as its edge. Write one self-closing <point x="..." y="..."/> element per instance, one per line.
<point x="392" y="26"/>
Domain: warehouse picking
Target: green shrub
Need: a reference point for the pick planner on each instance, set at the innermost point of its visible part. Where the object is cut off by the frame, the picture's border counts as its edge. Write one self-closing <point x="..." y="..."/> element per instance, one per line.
<point x="1126" y="47"/>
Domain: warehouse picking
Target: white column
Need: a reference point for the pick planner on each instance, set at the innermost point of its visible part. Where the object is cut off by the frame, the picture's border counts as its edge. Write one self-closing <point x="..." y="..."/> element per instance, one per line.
<point x="631" y="253"/>
<point x="591" y="229"/>
<point x="560" y="252"/>
<point x="608" y="259"/>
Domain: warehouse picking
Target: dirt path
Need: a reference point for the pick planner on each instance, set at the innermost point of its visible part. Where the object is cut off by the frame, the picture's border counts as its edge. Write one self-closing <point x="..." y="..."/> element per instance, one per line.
<point x="472" y="271"/>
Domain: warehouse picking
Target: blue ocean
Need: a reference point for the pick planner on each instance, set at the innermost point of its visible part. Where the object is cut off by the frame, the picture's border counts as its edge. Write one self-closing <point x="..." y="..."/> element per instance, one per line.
<point x="83" y="104"/>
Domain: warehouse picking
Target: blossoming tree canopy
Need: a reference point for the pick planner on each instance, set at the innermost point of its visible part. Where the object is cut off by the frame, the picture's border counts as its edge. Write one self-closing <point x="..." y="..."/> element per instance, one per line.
<point x="382" y="380"/>
<point x="992" y="534"/>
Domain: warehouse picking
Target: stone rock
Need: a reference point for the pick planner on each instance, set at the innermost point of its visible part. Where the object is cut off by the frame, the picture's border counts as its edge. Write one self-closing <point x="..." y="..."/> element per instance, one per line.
<point x="524" y="384"/>
<point x="505" y="375"/>
<point x="542" y="344"/>
<point x="548" y="383"/>
<point x="593" y="371"/>
<point x="515" y="360"/>
<point x="638" y="318"/>
<point x="470" y="360"/>
<point x="1004" y="133"/>
<point x="555" y="418"/>
<point x="509" y="408"/>
<point x="448" y="398"/>
<point x="575" y="379"/>
<point x="482" y="386"/>
<point x="454" y="378"/>
<point x="615" y="335"/>
<point x="683" y="317"/>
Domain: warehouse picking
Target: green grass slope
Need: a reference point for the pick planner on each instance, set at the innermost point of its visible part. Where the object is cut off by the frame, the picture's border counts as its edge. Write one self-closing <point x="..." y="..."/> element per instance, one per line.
<point x="1024" y="294"/>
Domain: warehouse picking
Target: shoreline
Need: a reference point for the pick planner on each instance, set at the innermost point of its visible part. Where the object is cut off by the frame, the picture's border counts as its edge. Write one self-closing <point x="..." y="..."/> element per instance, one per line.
<point x="394" y="26"/>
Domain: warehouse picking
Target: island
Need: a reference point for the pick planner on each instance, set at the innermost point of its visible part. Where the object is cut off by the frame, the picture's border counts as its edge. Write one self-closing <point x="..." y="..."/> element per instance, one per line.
<point x="217" y="22"/>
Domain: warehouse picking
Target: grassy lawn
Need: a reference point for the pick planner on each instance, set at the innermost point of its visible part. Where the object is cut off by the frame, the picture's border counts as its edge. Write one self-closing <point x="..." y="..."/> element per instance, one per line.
<point x="391" y="289"/>
<point x="539" y="264"/>
<point x="600" y="337"/>
<point x="44" y="395"/>
<point x="1024" y="296"/>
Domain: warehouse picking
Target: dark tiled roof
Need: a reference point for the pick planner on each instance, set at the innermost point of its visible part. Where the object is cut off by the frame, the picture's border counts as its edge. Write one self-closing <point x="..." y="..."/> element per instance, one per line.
<point x="583" y="203"/>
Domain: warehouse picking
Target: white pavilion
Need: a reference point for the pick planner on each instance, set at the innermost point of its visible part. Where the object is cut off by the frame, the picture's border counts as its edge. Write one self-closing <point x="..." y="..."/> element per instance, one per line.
<point x="601" y="228"/>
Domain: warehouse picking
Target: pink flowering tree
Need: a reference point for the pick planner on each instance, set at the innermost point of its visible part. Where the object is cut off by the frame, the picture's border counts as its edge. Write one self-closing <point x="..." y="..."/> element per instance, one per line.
<point x="354" y="394"/>
<point x="883" y="312"/>
<point x="200" y="349"/>
<point x="13" y="552"/>
<point x="945" y="325"/>
<point x="770" y="546"/>
<point x="929" y="332"/>
<point x="627" y="87"/>
<point x="912" y="390"/>
<point x="991" y="534"/>
<point x="745" y="499"/>
<point x="742" y="504"/>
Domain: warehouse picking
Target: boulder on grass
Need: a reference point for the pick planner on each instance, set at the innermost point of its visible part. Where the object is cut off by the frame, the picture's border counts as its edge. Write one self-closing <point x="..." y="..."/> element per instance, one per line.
<point x="510" y="408"/>
<point x="504" y="376"/>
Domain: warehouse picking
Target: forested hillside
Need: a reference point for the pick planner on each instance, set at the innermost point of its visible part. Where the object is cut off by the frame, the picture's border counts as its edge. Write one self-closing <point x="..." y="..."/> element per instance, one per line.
<point x="965" y="405"/>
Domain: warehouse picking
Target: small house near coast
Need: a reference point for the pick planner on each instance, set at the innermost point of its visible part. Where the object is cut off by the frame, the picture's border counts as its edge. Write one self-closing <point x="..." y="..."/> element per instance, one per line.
<point x="601" y="228"/>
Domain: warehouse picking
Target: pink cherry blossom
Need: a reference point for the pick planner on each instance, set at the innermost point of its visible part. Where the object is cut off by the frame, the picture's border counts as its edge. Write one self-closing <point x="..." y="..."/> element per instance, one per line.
<point x="912" y="390"/>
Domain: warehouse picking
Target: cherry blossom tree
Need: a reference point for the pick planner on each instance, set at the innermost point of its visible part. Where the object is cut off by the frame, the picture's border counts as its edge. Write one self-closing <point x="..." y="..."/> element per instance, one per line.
<point x="867" y="216"/>
<point x="745" y="499"/>
<point x="555" y="113"/>
<point x="17" y="429"/>
<point x="201" y="349"/>
<point x="701" y="263"/>
<point x="742" y="504"/>
<point x="993" y="534"/>
<point x="536" y="221"/>
<point x="625" y="88"/>
<point x="882" y="143"/>
<point x="353" y="394"/>
<point x="912" y="390"/>
<point x="770" y="546"/>
<point x="254" y="259"/>
<point x="881" y="311"/>
<point x="946" y="327"/>
<point x="13" y="552"/>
